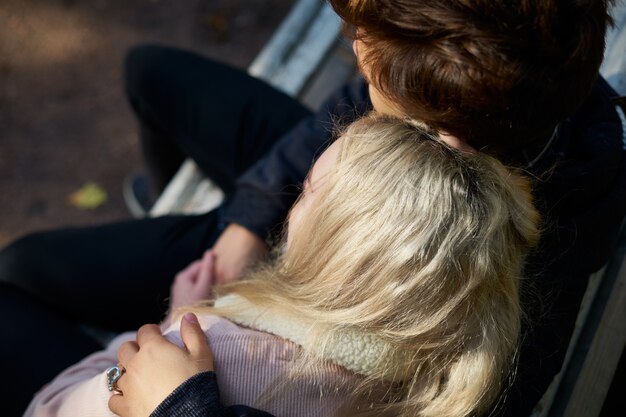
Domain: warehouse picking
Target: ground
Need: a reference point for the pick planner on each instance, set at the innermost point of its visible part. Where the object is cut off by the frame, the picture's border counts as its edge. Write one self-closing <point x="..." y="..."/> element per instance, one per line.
<point x="64" y="121"/>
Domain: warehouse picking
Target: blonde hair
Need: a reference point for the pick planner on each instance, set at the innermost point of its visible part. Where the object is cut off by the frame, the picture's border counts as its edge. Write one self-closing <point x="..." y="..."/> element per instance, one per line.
<point x="423" y="247"/>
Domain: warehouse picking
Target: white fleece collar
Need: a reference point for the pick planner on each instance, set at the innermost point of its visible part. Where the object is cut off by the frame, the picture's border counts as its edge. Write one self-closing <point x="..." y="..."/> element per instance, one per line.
<point x="357" y="351"/>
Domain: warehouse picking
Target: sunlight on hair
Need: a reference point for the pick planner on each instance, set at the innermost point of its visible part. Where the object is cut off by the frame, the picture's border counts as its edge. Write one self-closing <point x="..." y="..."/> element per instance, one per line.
<point x="418" y="248"/>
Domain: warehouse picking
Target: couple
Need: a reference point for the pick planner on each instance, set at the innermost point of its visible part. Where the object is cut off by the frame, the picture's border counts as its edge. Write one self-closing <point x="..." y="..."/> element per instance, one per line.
<point x="505" y="78"/>
<point x="396" y="293"/>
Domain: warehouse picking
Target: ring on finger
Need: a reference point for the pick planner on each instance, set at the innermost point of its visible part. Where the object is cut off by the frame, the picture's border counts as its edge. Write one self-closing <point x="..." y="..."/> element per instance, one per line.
<point x="114" y="374"/>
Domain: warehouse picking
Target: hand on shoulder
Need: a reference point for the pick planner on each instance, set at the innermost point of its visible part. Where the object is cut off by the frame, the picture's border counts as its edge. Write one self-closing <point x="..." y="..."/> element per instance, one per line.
<point x="155" y="367"/>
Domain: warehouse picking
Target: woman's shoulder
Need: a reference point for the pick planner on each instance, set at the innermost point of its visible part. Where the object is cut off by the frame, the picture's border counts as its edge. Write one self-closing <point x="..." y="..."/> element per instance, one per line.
<point x="255" y="368"/>
<point x="225" y="334"/>
<point x="252" y="366"/>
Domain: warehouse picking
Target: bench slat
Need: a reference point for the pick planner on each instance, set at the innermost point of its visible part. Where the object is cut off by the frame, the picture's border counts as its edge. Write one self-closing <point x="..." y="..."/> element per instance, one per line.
<point x="180" y="194"/>
<point x="614" y="65"/>
<point x="317" y="43"/>
<point x="285" y="39"/>
<point x="594" y="380"/>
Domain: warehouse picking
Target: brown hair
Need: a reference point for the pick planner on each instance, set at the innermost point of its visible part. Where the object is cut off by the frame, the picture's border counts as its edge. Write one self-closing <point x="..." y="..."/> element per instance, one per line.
<point x="498" y="73"/>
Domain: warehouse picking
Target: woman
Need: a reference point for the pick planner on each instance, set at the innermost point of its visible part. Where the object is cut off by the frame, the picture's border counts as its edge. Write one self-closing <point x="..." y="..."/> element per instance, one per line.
<point x="396" y="293"/>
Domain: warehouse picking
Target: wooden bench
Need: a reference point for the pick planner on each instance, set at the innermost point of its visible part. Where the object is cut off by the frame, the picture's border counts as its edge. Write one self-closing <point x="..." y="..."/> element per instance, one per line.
<point x="307" y="58"/>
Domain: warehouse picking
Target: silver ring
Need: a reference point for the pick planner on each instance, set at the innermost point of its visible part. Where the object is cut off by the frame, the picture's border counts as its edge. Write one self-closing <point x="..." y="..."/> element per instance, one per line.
<point x="114" y="374"/>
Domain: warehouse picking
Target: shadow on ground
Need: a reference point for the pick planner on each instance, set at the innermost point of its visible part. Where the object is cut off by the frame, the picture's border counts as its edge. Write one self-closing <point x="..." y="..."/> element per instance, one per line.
<point x="64" y="121"/>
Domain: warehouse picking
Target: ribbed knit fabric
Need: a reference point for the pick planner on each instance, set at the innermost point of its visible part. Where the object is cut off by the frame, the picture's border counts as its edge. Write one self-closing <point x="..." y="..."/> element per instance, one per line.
<point x="252" y="368"/>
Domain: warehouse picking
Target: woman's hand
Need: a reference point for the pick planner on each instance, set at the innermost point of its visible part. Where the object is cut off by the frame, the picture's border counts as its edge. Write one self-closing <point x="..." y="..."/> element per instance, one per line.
<point x="155" y="367"/>
<point x="234" y="251"/>
<point x="191" y="285"/>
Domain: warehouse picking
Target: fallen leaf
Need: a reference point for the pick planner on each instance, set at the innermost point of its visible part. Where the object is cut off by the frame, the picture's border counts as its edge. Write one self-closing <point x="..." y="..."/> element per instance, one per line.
<point x="88" y="197"/>
<point x="218" y="24"/>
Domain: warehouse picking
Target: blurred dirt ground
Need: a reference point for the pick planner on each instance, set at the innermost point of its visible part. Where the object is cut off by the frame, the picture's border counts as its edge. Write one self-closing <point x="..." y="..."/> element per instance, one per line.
<point x="64" y="121"/>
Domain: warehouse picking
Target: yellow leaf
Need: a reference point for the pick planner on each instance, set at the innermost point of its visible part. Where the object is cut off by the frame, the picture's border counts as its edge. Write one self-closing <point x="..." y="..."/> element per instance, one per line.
<point x="89" y="196"/>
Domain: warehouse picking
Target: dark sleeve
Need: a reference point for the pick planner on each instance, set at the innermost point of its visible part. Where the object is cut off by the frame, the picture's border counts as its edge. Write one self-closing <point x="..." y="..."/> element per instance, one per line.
<point x="199" y="397"/>
<point x="269" y="188"/>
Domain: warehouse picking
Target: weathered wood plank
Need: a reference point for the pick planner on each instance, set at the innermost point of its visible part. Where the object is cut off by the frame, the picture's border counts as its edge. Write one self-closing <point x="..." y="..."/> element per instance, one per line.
<point x="306" y="58"/>
<point x="285" y="39"/>
<point x="614" y="65"/>
<point x="604" y="354"/>
<point x="189" y="192"/>
<point x="339" y="67"/>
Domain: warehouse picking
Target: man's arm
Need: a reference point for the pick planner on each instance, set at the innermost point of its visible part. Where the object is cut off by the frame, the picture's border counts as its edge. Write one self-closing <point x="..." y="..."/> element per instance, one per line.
<point x="269" y="188"/>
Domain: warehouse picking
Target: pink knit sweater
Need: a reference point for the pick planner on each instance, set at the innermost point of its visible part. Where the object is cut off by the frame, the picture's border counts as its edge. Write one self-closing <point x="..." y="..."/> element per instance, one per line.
<point x="248" y="363"/>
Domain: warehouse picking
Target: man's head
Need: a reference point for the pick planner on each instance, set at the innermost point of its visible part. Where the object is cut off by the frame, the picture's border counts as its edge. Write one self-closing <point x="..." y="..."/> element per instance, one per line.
<point x="497" y="73"/>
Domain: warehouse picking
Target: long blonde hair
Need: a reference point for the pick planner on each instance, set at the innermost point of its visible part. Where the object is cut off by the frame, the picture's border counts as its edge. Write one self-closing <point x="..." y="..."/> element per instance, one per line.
<point x="421" y="246"/>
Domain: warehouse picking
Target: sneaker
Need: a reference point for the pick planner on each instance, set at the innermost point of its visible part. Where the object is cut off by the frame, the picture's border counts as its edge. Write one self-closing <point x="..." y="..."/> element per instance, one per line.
<point x="137" y="196"/>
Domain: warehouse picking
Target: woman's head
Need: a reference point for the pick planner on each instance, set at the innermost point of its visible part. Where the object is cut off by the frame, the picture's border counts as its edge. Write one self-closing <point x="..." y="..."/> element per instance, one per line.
<point x="312" y="188"/>
<point x="418" y="244"/>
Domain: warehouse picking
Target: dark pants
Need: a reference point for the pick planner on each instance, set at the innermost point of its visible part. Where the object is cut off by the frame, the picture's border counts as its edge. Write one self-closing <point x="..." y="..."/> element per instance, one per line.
<point x="118" y="276"/>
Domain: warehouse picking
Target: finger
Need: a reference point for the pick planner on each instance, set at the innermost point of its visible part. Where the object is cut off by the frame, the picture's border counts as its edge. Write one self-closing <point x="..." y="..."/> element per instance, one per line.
<point x="207" y="269"/>
<point x="189" y="273"/>
<point x="195" y="340"/>
<point x="126" y="352"/>
<point x="118" y="405"/>
<point x="147" y="333"/>
<point x="195" y="269"/>
<point x="120" y="385"/>
<point x="206" y="277"/>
